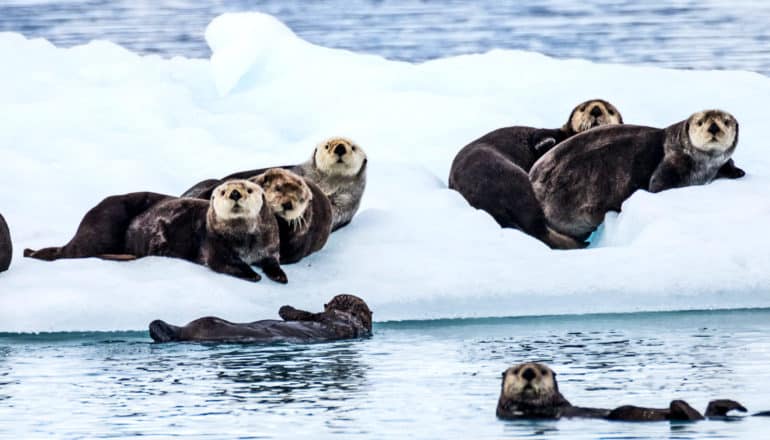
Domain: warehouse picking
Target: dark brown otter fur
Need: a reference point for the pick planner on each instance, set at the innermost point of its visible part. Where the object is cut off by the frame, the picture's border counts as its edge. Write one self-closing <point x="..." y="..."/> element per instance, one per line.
<point x="530" y="391"/>
<point x="141" y="224"/>
<point x="491" y="172"/>
<point x="182" y="228"/>
<point x="103" y="229"/>
<point x="344" y="317"/>
<point x="344" y="190"/>
<point x="594" y="172"/>
<point x="6" y="246"/>
<point x="307" y="234"/>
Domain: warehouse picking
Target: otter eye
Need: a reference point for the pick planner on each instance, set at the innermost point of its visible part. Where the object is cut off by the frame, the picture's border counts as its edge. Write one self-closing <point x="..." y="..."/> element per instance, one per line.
<point x="611" y="112"/>
<point x="700" y="123"/>
<point x="353" y="148"/>
<point x="222" y="193"/>
<point x="516" y="371"/>
<point x="544" y="372"/>
<point x="327" y="146"/>
<point x="249" y="190"/>
<point x="583" y="108"/>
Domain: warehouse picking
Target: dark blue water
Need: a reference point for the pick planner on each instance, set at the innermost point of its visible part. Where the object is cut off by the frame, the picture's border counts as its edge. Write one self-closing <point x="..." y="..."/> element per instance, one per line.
<point x="436" y="379"/>
<point x="690" y="34"/>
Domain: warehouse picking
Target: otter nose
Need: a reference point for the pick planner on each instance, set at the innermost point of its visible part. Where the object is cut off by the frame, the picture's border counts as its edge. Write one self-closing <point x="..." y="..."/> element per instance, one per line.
<point x="528" y="374"/>
<point x="339" y="150"/>
<point x="713" y="128"/>
<point x="596" y="112"/>
<point x="235" y="195"/>
<point x="287" y="206"/>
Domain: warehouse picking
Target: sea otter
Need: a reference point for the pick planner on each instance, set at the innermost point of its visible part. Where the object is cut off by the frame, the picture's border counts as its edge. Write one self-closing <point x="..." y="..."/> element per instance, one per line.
<point x="594" y="172"/>
<point x="228" y="234"/>
<point x="338" y="167"/>
<point x="491" y="172"/>
<point x="344" y="317"/>
<point x="530" y="391"/>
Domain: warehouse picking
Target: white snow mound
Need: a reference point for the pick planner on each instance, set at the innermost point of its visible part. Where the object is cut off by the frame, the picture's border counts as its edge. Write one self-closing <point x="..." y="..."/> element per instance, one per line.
<point x="83" y="123"/>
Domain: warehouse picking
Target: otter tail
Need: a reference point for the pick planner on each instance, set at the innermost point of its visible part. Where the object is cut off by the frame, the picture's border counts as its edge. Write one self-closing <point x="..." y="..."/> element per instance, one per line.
<point x="557" y="240"/>
<point x="117" y="257"/>
<point x="161" y="331"/>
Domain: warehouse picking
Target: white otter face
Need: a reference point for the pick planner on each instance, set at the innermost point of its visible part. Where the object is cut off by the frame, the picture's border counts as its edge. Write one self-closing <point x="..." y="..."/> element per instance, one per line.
<point x="286" y="193"/>
<point x="712" y="131"/>
<point x="531" y="383"/>
<point x="594" y="113"/>
<point x="237" y="199"/>
<point x="339" y="156"/>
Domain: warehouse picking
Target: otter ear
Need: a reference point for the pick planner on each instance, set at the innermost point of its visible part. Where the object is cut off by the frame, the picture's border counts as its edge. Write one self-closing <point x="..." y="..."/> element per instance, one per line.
<point x="503" y="374"/>
<point x="315" y="165"/>
<point x="262" y="179"/>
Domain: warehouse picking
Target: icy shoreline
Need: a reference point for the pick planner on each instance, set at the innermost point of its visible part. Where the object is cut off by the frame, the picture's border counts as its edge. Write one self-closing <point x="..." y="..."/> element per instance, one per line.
<point x="83" y="123"/>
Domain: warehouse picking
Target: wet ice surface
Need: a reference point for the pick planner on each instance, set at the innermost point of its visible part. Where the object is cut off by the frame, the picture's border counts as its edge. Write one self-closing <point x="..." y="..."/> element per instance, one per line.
<point x="688" y="34"/>
<point x="424" y="379"/>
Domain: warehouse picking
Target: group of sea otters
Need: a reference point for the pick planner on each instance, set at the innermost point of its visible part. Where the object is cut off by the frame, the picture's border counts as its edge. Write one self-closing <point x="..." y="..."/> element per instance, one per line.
<point x="554" y="184"/>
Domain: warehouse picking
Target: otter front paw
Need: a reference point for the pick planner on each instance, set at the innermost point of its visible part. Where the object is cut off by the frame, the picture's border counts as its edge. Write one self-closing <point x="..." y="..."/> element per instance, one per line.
<point x="273" y="270"/>
<point x="289" y="313"/>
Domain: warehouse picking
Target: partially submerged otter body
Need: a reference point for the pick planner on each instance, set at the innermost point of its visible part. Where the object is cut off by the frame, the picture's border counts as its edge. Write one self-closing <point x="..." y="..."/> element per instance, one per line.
<point x="530" y="391"/>
<point x="344" y="317"/>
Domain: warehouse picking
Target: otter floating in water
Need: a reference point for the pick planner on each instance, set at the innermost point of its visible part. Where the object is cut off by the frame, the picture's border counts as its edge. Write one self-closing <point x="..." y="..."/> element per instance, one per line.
<point x="530" y="391"/>
<point x="344" y="317"/>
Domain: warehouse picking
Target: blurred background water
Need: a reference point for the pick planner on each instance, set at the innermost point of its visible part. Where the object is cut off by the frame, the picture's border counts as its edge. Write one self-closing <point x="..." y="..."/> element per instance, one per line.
<point x="689" y="34"/>
<point x="430" y="379"/>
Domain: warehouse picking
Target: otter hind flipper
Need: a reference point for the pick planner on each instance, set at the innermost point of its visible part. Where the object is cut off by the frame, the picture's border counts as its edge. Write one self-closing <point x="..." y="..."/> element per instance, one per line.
<point x="720" y="407"/>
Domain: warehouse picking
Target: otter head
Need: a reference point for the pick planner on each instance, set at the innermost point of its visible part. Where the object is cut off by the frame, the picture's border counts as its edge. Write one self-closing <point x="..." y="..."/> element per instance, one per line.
<point x="712" y="131"/>
<point x="353" y="305"/>
<point x="286" y="193"/>
<point x="590" y="114"/>
<point x="340" y="157"/>
<point x="531" y="384"/>
<point x="236" y="199"/>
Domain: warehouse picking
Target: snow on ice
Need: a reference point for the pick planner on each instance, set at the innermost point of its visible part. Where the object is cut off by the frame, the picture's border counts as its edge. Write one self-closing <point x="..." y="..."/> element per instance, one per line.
<point x="83" y="123"/>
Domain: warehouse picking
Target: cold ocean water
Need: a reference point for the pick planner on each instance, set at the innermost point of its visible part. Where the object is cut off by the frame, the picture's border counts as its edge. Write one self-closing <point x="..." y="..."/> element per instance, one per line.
<point x="412" y="379"/>
<point x="418" y="379"/>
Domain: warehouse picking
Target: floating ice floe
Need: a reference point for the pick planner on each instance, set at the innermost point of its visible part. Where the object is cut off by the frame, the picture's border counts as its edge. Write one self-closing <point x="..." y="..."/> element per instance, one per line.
<point x="83" y="123"/>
